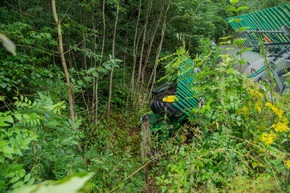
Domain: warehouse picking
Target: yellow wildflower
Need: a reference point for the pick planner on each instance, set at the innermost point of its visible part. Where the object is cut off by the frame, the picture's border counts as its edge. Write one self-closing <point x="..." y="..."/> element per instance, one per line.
<point x="268" y="138"/>
<point x="244" y="111"/>
<point x="256" y="94"/>
<point x="287" y="163"/>
<point x="258" y="107"/>
<point x="276" y="110"/>
<point x="268" y="104"/>
<point x="281" y="127"/>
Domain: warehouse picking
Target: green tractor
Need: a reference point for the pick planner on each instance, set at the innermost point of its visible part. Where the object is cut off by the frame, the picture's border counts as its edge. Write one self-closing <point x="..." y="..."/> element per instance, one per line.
<point x="172" y="103"/>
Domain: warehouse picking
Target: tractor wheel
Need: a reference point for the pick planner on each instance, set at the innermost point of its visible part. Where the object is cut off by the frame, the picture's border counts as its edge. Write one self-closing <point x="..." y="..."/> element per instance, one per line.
<point x="158" y="106"/>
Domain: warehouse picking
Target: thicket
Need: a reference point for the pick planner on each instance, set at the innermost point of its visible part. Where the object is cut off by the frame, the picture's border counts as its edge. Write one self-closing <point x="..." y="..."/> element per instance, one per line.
<point x="240" y="136"/>
<point x="113" y="48"/>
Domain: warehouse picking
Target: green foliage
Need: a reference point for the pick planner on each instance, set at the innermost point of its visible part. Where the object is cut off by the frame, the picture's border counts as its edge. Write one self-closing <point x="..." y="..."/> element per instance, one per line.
<point x="172" y="67"/>
<point x="262" y="182"/>
<point x="239" y="135"/>
<point x="25" y="69"/>
<point x="38" y="141"/>
<point x="208" y="163"/>
<point x="14" y="142"/>
<point x="52" y="156"/>
<point x="82" y="79"/>
<point x="113" y="154"/>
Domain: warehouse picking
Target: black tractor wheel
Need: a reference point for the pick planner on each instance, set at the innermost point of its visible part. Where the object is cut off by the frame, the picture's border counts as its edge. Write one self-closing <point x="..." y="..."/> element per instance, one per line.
<point x="158" y="106"/>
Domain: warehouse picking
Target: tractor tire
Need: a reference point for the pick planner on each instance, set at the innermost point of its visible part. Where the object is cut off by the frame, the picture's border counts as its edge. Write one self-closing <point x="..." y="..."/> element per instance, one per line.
<point x="158" y="106"/>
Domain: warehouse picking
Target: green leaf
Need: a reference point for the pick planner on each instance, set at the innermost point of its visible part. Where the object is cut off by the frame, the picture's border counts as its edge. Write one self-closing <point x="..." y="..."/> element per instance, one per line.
<point x="3" y="85"/>
<point x="242" y="8"/>
<point x="246" y="49"/>
<point x="8" y="150"/>
<point x="2" y="98"/>
<point x="242" y="61"/>
<point x="27" y="177"/>
<point x="241" y="29"/>
<point x="4" y="119"/>
<point x="15" y="179"/>
<point x="238" y="41"/>
<point x="91" y="70"/>
<point x="18" y="184"/>
<point x="231" y="8"/>
<point x="95" y="74"/>
<point x="102" y="70"/>
<point x="22" y="173"/>
<point x="118" y="60"/>
<point x="234" y="1"/>
<point x="80" y="82"/>
<point x="31" y="181"/>
<point x="236" y="20"/>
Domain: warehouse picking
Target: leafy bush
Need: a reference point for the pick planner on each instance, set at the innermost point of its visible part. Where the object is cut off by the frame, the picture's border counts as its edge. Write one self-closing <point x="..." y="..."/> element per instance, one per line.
<point x="38" y="138"/>
<point x="241" y="137"/>
<point x="14" y="142"/>
<point x="25" y="70"/>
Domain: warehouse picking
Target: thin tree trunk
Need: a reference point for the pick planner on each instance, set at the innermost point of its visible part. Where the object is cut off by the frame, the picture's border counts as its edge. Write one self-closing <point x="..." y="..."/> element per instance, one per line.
<point x="113" y="57"/>
<point x="159" y="47"/>
<point x="84" y="46"/>
<point x="151" y="44"/>
<point x="104" y="29"/>
<point x="102" y="54"/>
<point x="94" y="64"/>
<point x="20" y="7"/>
<point x="143" y="42"/>
<point x="64" y="66"/>
<point x="135" y="47"/>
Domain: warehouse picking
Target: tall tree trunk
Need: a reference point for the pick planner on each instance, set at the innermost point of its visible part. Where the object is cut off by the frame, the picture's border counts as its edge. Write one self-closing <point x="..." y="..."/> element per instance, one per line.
<point x="104" y="29"/>
<point x="135" y="47"/>
<point x="94" y="64"/>
<point x="64" y="66"/>
<point x="113" y="57"/>
<point x="96" y="84"/>
<point x="84" y="22"/>
<point x="19" y="7"/>
<point x="153" y="75"/>
<point x="148" y="52"/>
<point x="143" y="42"/>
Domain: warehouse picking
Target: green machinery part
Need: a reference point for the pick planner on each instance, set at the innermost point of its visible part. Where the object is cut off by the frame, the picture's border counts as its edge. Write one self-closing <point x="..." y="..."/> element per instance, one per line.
<point x="267" y="23"/>
<point x="270" y="26"/>
<point x="167" y="117"/>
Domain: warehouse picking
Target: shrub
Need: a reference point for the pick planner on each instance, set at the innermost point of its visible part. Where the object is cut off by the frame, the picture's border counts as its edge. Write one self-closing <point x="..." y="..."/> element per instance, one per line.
<point x="38" y="138"/>
<point x="242" y="135"/>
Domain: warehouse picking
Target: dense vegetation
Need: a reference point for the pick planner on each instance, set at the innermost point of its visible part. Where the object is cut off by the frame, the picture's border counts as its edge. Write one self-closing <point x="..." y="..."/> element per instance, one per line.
<point x="72" y="96"/>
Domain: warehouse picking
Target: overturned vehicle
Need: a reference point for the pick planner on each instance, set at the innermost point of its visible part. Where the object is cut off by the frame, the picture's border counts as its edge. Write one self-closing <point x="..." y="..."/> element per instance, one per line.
<point x="173" y="102"/>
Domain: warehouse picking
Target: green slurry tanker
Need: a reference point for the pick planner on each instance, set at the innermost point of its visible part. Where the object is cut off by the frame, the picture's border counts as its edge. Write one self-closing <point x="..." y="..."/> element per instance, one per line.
<point x="173" y="102"/>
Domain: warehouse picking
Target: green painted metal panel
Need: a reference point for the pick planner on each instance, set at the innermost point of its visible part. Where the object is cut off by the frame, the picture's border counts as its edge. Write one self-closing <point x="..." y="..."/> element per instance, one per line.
<point x="184" y="92"/>
<point x="265" y="25"/>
